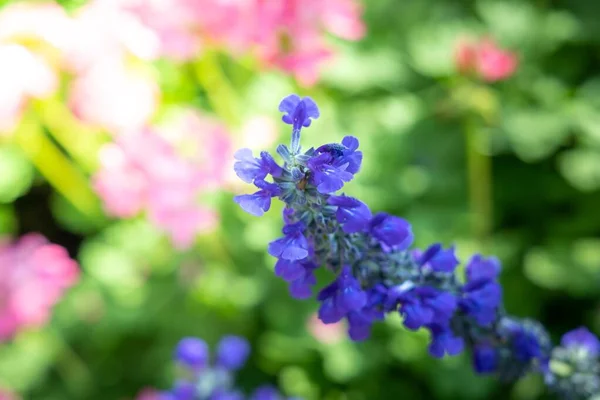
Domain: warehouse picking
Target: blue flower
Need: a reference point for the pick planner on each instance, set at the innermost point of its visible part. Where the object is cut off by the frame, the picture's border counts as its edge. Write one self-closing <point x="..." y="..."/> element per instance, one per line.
<point x="298" y="112"/>
<point x="482" y="268"/>
<point x="192" y="352"/>
<point x="327" y="174"/>
<point x="444" y="261"/>
<point x="443" y="341"/>
<point x="482" y="295"/>
<point x="344" y="154"/>
<point x="289" y="270"/>
<point x="293" y="246"/>
<point x="352" y="214"/>
<point x="426" y="305"/>
<point x="391" y="231"/>
<point x="232" y="352"/>
<point x="301" y="288"/>
<point x="182" y="390"/>
<point x="260" y="202"/>
<point x="249" y="168"/>
<point x="581" y="338"/>
<point x="485" y="359"/>
<point x="340" y="297"/>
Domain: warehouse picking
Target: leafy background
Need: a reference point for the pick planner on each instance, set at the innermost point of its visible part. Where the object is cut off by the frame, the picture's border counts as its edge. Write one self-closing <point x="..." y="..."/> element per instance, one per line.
<point x="397" y="91"/>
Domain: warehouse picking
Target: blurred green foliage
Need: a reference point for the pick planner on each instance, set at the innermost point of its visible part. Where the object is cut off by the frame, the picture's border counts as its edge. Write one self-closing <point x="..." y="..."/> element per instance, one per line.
<point x="395" y="90"/>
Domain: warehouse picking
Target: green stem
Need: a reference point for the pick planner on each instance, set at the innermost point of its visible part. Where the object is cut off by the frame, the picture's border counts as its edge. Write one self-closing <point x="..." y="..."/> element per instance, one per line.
<point x="81" y="142"/>
<point x="55" y="167"/>
<point x="479" y="166"/>
<point x="72" y="368"/>
<point x="221" y="94"/>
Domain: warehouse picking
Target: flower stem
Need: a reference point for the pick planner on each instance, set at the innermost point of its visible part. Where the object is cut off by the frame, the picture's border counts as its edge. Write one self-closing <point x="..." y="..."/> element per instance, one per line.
<point x="55" y="167"/>
<point x="221" y="94"/>
<point x="479" y="165"/>
<point x="81" y="142"/>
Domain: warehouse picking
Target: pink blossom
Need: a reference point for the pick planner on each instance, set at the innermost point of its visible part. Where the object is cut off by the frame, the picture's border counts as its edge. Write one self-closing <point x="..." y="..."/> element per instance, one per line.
<point x="34" y="275"/>
<point x="6" y="395"/>
<point x="325" y="333"/>
<point x="173" y="23"/>
<point x="485" y="59"/>
<point x="163" y="170"/>
<point x="287" y="34"/>
<point x="103" y="30"/>
<point x="145" y="394"/>
<point x="112" y="96"/>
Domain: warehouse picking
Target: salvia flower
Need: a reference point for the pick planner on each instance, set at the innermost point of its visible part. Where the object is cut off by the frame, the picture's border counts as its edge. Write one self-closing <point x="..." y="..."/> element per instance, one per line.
<point x="376" y="272"/>
<point x="206" y="380"/>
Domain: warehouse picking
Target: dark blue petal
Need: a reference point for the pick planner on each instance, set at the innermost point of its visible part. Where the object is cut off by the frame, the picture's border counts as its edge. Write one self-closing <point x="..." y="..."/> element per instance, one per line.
<point x="480" y="267"/>
<point x="444" y="342"/>
<point x="392" y="231"/>
<point x="289" y="270"/>
<point x="485" y="359"/>
<point x="354" y="215"/>
<point x="583" y="338"/>
<point x="192" y="352"/>
<point x="444" y="261"/>
<point x="232" y="352"/>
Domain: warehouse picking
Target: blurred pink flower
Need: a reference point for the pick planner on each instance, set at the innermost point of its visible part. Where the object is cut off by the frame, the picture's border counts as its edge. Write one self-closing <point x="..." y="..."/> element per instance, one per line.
<point x="6" y="395"/>
<point x="114" y="97"/>
<point x="326" y="333"/>
<point x="163" y="171"/>
<point x="34" y="274"/>
<point x="103" y="30"/>
<point x="145" y="394"/>
<point x="173" y="23"/>
<point x="287" y="34"/>
<point x="485" y="59"/>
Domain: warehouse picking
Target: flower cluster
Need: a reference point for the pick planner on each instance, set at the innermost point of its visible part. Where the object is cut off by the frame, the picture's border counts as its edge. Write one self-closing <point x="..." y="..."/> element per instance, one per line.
<point x="99" y="43"/>
<point x="163" y="171"/>
<point x="485" y="60"/>
<point x="378" y="273"/>
<point x="34" y="274"/>
<point x="206" y="381"/>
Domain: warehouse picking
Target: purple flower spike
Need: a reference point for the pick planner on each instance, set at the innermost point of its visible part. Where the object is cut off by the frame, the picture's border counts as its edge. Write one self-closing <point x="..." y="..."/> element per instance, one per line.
<point x="232" y="352"/>
<point x="298" y="112"/>
<point x="582" y="337"/>
<point x="192" y="352"/>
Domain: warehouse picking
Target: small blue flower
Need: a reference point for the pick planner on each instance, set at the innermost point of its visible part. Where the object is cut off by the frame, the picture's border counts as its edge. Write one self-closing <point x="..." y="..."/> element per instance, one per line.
<point x="182" y="390"/>
<point x="582" y="338"/>
<point x="249" y="168"/>
<point x="289" y="270"/>
<point x="340" y="297"/>
<point x="301" y="288"/>
<point x="481" y="300"/>
<point x="444" y="261"/>
<point x="327" y="174"/>
<point x="480" y="267"/>
<point x="260" y="202"/>
<point x="443" y="341"/>
<point x="298" y="112"/>
<point x="391" y="231"/>
<point x="485" y="359"/>
<point x="344" y="154"/>
<point x="192" y="352"/>
<point x="353" y="214"/>
<point x="293" y="246"/>
<point x="232" y="352"/>
<point x="426" y="305"/>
